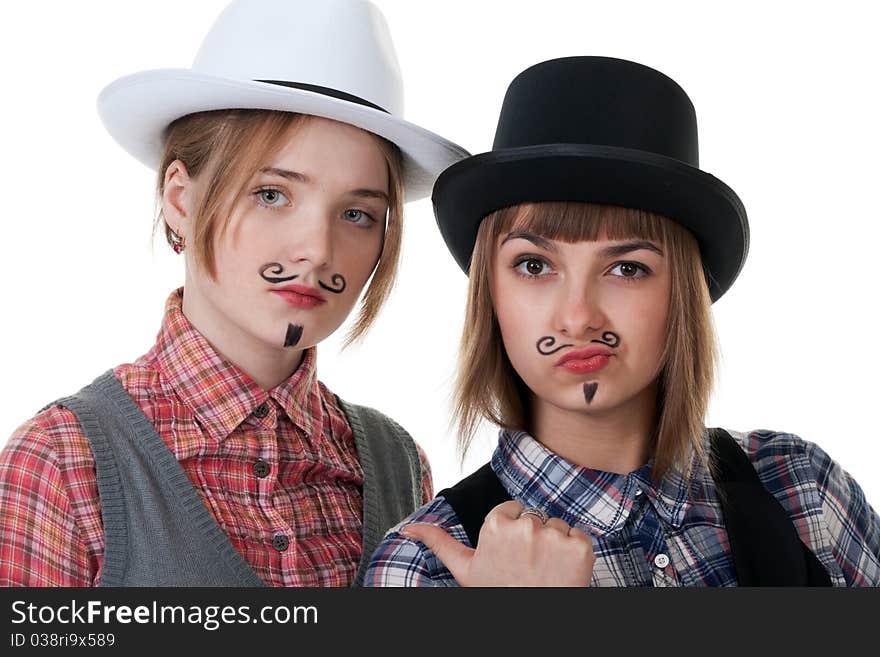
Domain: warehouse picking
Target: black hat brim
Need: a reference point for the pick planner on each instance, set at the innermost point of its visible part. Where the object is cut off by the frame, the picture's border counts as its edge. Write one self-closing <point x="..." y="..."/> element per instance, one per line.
<point x="471" y="189"/>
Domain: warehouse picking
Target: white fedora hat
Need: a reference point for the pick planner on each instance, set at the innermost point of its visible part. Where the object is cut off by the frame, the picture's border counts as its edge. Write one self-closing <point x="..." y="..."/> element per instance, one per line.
<point x="330" y="58"/>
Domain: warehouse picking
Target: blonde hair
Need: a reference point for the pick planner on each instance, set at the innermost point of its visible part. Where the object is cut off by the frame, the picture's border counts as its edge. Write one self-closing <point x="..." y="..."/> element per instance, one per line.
<point x="487" y="386"/>
<point x="225" y="149"/>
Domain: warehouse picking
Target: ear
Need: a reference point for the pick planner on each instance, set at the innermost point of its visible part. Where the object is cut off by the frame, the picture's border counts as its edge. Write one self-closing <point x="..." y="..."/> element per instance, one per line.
<point x="178" y="198"/>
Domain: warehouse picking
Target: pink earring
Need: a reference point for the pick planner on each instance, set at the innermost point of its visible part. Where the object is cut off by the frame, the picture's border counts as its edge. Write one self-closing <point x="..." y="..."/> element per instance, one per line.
<point x="177" y="243"/>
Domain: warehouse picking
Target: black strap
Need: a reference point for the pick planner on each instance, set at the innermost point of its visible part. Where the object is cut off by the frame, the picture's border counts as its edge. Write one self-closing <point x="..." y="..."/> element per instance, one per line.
<point x="473" y="497"/>
<point x="764" y="544"/>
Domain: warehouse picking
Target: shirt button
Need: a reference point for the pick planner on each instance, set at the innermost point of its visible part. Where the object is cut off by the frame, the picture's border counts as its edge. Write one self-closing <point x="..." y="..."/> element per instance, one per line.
<point x="262" y="410"/>
<point x="261" y="468"/>
<point x="661" y="561"/>
<point x="638" y="491"/>
<point x="280" y="542"/>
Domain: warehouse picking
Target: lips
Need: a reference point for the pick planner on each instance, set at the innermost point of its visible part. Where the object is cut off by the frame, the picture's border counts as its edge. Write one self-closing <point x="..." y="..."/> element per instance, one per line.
<point x="300" y="296"/>
<point x="582" y="361"/>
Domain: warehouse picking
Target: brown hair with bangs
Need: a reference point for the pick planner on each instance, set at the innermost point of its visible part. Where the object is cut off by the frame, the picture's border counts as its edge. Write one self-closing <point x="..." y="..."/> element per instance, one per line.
<point x="487" y="386"/>
<point x="225" y="149"/>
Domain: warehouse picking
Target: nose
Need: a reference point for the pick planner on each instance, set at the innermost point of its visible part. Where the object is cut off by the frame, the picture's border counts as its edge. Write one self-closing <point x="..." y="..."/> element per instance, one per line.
<point x="579" y="311"/>
<point x="311" y="240"/>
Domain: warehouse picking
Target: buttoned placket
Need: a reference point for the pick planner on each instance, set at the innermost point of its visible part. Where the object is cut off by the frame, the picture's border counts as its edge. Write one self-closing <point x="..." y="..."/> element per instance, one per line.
<point x="651" y="540"/>
<point x="280" y="535"/>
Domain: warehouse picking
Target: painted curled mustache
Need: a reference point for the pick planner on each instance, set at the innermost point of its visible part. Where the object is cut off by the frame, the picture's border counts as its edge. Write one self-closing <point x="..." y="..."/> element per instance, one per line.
<point x="275" y="268"/>
<point x="547" y="343"/>
<point x="338" y="281"/>
<point x="609" y="338"/>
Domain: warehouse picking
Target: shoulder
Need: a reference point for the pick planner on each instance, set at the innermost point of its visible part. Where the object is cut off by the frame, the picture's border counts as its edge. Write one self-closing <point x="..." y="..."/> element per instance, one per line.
<point x="47" y="467"/>
<point x="366" y="415"/>
<point x="50" y="441"/>
<point x="149" y="389"/>
<point x="401" y="561"/>
<point x="778" y="455"/>
<point x="370" y="423"/>
<point x="826" y="504"/>
<point x="49" y="504"/>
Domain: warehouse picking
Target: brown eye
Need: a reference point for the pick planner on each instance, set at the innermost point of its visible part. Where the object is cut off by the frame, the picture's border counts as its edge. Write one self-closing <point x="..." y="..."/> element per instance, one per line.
<point x="629" y="270"/>
<point x="532" y="267"/>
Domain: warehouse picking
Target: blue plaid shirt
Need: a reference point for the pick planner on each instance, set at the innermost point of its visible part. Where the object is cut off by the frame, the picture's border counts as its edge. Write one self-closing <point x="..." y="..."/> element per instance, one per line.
<point x="666" y="534"/>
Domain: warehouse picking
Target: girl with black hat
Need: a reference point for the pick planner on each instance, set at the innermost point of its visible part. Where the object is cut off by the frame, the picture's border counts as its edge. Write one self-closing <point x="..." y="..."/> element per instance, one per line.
<point x="218" y="458"/>
<point x="595" y="247"/>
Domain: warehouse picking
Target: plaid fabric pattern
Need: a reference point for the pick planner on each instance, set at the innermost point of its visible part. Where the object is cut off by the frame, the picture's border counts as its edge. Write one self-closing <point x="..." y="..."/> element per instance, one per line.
<point x="669" y="534"/>
<point x="203" y="408"/>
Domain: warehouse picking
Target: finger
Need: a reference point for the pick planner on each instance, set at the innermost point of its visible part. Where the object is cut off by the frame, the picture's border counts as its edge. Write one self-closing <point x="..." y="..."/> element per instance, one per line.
<point x="558" y="525"/>
<point x="537" y="521"/>
<point x="580" y="535"/>
<point x="454" y="555"/>
<point x="510" y="510"/>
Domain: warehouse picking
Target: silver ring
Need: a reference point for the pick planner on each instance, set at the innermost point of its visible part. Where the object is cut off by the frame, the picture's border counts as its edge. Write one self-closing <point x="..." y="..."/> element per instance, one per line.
<point x="540" y="514"/>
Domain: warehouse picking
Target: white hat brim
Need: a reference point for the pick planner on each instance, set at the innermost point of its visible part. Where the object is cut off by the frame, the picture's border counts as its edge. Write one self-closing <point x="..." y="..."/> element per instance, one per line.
<point x="137" y="109"/>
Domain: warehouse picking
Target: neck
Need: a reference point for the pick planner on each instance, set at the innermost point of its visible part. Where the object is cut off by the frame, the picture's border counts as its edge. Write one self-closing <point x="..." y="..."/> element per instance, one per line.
<point x="267" y="366"/>
<point x="617" y="440"/>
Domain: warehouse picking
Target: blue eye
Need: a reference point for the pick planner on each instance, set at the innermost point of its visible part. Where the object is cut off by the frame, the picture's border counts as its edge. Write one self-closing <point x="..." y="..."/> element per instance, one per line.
<point x="630" y="270"/>
<point x="271" y="198"/>
<point x="357" y="217"/>
<point x="531" y="267"/>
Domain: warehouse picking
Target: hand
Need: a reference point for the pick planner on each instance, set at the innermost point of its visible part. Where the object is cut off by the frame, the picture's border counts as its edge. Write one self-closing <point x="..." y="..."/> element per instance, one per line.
<point x="513" y="551"/>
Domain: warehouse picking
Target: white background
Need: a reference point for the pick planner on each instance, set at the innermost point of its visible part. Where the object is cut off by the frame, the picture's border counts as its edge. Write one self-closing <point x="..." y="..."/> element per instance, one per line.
<point x="787" y="103"/>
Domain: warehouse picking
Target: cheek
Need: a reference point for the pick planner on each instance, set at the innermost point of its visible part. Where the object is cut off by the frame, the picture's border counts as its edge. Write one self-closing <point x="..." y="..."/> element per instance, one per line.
<point x="522" y="323"/>
<point x="648" y="331"/>
<point x="356" y="256"/>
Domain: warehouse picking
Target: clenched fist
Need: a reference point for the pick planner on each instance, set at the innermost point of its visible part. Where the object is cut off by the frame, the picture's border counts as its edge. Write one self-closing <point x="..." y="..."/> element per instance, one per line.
<point x="513" y="550"/>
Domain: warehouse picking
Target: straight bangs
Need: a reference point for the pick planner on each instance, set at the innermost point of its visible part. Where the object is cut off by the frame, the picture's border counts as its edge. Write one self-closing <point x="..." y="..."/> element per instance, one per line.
<point x="570" y="222"/>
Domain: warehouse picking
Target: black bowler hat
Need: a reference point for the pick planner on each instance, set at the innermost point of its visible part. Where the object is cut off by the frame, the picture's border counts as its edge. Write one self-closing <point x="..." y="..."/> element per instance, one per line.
<point x="599" y="130"/>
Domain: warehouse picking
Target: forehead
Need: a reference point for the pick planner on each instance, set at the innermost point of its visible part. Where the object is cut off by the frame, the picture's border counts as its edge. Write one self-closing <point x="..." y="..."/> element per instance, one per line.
<point x="332" y="153"/>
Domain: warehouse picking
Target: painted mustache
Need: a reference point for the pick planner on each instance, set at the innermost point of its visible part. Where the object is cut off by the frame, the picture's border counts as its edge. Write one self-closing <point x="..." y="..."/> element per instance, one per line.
<point x="275" y="268"/>
<point x="609" y="339"/>
<point x="545" y="345"/>
<point x="337" y="280"/>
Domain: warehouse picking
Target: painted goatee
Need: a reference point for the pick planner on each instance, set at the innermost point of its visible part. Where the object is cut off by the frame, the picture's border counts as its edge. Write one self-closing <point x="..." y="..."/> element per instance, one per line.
<point x="590" y="391"/>
<point x="294" y="333"/>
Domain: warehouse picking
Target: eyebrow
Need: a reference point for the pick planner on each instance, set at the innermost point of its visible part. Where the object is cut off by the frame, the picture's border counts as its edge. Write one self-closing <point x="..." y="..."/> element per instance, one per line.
<point x="608" y="252"/>
<point x="303" y="178"/>
<point x="286" y="173"/>
<point x="370" y="193"/>
<point x="634" y="245"/>
<point x="537" y="240"/>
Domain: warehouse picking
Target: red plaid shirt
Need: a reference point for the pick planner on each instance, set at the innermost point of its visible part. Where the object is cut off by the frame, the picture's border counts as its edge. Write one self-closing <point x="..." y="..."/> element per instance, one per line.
<point x="203" y="407"/>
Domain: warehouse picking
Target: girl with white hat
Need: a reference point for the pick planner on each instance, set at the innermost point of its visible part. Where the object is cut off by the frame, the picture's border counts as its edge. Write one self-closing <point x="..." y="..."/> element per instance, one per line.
<point x="595" y="247"/>
<point x="218" y="458"/>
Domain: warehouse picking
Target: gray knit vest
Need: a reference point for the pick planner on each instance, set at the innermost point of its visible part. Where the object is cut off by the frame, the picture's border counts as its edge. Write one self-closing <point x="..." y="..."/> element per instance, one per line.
<point x="157" y="531"/>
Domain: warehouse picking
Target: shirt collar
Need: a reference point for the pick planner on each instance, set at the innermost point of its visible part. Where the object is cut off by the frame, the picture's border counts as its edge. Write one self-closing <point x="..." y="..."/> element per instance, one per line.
<point x="597" y="501"/>
<point x="219" y="394"/>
